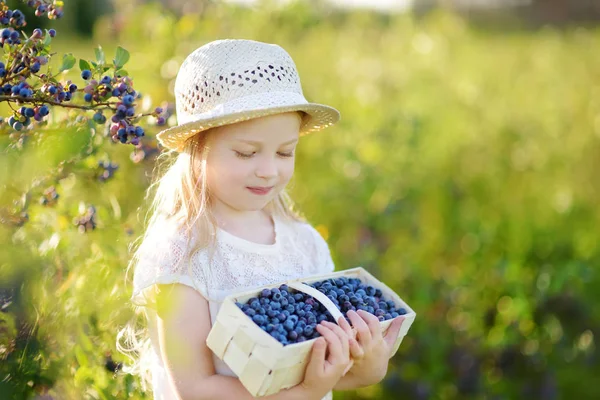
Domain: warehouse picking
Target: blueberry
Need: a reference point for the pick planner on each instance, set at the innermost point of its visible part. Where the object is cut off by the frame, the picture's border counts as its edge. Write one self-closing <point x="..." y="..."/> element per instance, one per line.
<point x="402" y="311"/>
<point x="87" y="97"/>
<point x="288" y="325"/>
<point x="128" y="100"/>
<point x="258" y="319"/>
<point x="308" y="330"/>
<point x="52" y="32"/>
<point x="292" y="335"/>
<point x="86" y="74"/>
<point x="105" y="80"/>
<point x="265" y="293"/>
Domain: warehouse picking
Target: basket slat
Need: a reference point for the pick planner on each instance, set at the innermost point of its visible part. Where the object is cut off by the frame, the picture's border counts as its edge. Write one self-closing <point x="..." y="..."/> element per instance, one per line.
<point x="218" y="338"/>
<point x="235" y="358"/>
<point x="254" y="374"/>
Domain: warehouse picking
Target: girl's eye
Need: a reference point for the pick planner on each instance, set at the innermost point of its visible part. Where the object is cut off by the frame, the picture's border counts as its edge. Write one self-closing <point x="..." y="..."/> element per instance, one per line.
<point x="244" y="155"/>
<point x="249" y="155"/>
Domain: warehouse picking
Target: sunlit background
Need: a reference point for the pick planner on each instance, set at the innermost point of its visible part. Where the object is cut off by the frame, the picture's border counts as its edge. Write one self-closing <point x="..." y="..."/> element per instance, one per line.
<point x="464" y="174"/>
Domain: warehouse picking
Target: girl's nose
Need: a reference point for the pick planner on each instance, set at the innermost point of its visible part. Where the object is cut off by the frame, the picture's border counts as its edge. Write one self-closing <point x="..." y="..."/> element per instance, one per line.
<point x="266" y="168"/>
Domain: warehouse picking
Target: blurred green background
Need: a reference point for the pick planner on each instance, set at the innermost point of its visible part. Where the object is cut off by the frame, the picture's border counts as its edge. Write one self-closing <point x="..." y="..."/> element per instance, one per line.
<point x="463" y="174"/>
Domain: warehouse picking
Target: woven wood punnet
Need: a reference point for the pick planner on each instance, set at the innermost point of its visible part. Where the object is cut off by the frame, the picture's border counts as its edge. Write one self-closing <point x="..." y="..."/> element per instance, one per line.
<point x="263" y="365"/>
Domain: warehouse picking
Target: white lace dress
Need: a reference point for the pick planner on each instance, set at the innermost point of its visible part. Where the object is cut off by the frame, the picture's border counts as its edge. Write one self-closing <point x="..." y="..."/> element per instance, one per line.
<point x="237" y="265"/>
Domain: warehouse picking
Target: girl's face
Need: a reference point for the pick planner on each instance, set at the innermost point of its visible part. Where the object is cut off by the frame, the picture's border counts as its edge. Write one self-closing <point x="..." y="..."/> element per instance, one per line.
<point x="250" y="162"/>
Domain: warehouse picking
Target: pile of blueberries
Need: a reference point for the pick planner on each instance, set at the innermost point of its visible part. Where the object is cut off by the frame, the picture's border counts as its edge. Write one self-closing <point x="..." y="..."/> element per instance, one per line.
<point x="291" y="316"/>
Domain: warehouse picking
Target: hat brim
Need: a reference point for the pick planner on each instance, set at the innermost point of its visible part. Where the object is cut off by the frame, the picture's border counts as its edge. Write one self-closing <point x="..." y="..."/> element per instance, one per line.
<point x="319" y="117"/>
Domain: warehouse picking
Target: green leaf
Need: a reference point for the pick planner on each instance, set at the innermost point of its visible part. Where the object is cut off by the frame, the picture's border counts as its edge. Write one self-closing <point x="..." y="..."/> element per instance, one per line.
<point x="121" y="58"/>
<point x="94" y="64"/>
<point x="122" y="72"/>
<point x="99" y="55"/>
<point x="83" y="64"/>
<point x="47" y="39"/>
<point x="68" y="62"/>
<point x="105" y="69"/>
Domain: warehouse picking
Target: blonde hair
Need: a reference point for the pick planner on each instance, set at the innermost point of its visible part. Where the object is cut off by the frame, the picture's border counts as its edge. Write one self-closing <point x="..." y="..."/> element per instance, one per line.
<point x="180" y="194"/>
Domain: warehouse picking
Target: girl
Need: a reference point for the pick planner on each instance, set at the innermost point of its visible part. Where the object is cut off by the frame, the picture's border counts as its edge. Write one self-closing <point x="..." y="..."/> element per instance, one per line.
<point x="222" y="222"/>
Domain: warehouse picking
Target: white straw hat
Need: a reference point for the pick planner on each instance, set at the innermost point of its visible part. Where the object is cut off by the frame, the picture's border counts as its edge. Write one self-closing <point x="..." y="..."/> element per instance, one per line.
<point x="233" y="80"/>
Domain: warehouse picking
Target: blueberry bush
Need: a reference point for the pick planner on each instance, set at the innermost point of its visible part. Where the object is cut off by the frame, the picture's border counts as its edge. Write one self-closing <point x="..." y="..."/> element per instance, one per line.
<point x="462" y="174"/>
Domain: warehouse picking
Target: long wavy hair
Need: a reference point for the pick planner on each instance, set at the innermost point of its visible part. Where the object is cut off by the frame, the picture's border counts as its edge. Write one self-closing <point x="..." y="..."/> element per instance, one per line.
<point x="179" y="192"/>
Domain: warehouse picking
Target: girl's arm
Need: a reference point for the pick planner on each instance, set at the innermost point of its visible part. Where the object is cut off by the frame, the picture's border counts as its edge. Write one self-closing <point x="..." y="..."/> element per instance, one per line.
<point x="221" y="387"/>
<point x="183" y="326"/>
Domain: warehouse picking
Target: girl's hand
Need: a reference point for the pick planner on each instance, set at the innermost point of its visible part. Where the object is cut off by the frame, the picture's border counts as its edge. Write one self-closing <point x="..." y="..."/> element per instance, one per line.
<point x="371" y="350"/>
<point x="324" y="371"/>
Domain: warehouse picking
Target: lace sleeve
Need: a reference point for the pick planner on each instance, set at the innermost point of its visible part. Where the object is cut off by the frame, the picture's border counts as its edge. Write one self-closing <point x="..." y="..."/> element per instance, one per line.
<point x="164" y="259"/>
<point x="323" y="255"/>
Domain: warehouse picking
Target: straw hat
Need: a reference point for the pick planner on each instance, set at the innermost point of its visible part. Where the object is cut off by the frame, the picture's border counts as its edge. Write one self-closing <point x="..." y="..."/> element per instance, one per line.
<point x="233" y="80"/>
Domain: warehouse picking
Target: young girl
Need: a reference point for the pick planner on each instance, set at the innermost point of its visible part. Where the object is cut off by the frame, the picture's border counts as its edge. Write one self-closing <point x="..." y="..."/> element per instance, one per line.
<point x="222" y="222"/>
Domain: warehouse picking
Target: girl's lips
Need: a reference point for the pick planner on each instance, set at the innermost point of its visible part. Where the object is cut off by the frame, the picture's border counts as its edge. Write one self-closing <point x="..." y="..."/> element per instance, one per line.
<point x="260" y="190"/>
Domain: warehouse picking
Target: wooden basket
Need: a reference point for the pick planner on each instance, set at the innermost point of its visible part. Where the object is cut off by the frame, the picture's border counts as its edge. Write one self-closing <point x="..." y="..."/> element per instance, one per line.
<point x="265" y="366"/>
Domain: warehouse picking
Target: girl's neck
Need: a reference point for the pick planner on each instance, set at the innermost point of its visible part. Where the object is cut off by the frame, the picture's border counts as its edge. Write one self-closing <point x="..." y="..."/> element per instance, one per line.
<point x="255" y="226"/>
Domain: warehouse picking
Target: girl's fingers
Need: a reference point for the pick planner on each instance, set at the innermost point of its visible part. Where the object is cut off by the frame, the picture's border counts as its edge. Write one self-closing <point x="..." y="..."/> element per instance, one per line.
<point x="341" y="334"/>
<point x="356" y="351"/>
<point x="335" y="346"/>
<point x="364" y="333"/>
<point x="342" y="323"/>
<point x="372" y="322"/>
<point x="392" y="333"/>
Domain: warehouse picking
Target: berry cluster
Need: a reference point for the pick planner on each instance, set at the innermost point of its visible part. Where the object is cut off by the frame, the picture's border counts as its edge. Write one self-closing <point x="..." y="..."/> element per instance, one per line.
<point x="106" y="170"/>
<point x="87" y="221"/>
<point x="50" y="197"/>
<point x="351" y="294"/>
<point x="15" y="19"/>
<point x="21" y="81"/>
<point x="291" y="317"/>
<point x="287" y="315"/>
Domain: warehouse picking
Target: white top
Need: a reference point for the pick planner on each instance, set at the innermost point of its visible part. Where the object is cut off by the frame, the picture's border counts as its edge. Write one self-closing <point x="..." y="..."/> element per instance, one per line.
<point x="237" y="265"/>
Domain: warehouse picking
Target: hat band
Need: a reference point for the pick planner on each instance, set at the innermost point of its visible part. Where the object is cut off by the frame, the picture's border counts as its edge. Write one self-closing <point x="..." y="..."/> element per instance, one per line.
<point x="247" y="103"/>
